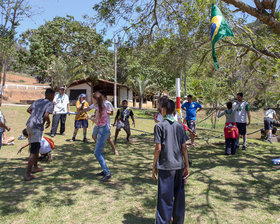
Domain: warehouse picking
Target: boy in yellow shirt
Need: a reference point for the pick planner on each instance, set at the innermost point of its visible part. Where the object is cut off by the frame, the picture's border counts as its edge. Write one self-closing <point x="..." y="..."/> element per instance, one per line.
<point x="81" y="119"/>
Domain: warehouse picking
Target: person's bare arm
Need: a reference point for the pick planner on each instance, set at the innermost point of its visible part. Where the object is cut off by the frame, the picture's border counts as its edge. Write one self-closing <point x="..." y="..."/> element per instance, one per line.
<point x="185" y="155"/>
<point x="2" y="125"/>
<point x="27" y="144"/>
<point x="110" y="113"/>
<point x="47" y="119"/>
<point x="249" y="117"/>
<point x="29" y="110"/>
<point x="275" y="116"/>
<point x="132" y="118"/>
<point x="156" y="156"/>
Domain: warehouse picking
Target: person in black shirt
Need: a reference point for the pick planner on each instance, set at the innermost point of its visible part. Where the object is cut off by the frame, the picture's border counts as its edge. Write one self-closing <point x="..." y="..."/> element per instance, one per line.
<point x="171" y="165"/>
<point x="122" y="120"/>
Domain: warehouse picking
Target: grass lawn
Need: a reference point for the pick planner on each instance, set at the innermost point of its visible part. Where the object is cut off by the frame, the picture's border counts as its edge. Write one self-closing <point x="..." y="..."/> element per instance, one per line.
<point x="244" y="188"/>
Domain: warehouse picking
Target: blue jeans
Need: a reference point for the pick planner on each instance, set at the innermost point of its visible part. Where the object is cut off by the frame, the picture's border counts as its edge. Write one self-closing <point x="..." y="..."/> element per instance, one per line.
<point x="103" y="134"/>
<point x="1" y="139"/>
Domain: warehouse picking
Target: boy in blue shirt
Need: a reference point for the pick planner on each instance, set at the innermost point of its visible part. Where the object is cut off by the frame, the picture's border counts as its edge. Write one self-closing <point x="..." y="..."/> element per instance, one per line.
<point x="191" y="109"/>
<point x="171" y="165"/>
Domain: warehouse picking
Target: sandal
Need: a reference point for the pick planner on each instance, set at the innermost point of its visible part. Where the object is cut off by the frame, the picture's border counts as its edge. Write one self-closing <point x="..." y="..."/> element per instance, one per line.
<point x="37" y="170"/>
<point x="31" y="177"/>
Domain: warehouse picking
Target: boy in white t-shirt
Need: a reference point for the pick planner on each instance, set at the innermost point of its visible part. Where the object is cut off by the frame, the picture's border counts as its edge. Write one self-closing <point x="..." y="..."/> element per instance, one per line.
<point x="270" y="118"/>
<point x="3" y="125"/>
<point x="47" y="145"/>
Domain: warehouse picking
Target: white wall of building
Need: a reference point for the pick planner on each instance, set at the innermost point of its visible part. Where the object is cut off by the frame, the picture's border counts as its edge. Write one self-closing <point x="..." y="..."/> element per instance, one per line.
<point x="130" y="95"/>
<point x="81" y="86"/>
<point x="123" y="94"/>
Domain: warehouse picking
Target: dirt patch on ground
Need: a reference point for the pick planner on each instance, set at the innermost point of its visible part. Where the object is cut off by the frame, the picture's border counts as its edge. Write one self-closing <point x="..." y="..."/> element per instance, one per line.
<point x="24" y="93"/>
<point x="21" y="79"/>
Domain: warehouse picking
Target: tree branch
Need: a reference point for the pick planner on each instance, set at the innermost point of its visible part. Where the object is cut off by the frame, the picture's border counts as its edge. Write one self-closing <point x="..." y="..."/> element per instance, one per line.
<point x="262" y="15"/>
<point x="257" y="51"/>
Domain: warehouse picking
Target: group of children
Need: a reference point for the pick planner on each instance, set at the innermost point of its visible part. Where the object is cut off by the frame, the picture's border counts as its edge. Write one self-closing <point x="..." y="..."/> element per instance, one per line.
<point x="171" y="159"/>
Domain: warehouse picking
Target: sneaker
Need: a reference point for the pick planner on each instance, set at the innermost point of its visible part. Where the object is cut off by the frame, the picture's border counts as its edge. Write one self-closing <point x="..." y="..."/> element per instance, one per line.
<point x="85" y="140"/>
<point x="105" y="178"/>
<point x="52" y="135"/>
<point x="243" y="147"/>
<point x="63" y="134"/>
<point x="101" y="174"/>
<point x="73" y="139"/>
<point x="269" y="140"/>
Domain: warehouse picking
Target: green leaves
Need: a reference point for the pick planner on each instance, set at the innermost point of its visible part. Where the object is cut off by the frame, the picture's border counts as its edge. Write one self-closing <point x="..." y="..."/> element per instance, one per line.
<point x="65" y="44"/>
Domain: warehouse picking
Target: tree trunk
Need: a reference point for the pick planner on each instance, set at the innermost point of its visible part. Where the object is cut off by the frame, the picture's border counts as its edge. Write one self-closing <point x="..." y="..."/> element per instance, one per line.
<point x="4" y="78"/>
<point x="185" y="81"/>
<point x="140" y="102"/>
<point x="134" y="100"/>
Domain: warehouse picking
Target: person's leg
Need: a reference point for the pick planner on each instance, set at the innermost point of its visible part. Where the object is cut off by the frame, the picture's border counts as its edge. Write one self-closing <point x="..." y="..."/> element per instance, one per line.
<point x="85" y="126"/>
<point x="102" y="137"/>
<point x="55" y="122"/>
<point x="239" y="131"/>
<point x="94" y="133"/>
<point x="127" y="130"/>
<point x="192" y="125"/>
<point x="62" y="123"/>
<point x="228" y="146"/>
<point x="165" y="196"/>
<point x="33" y="158"/>
<point x="110" y="141"/>
<point x="75" y="134"/>
<point x="1" y="139"/>
<point x="179" y="198"/>
<point x="233" y="146"/>
<point x="244" y="142"/>
<point x="116" y="134"/>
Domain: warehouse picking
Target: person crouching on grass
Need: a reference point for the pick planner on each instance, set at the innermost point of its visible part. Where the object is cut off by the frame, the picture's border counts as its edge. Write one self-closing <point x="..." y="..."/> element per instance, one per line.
<point x="230" y="130"/>
<point x="47" y="145"/>
<point x="171" y="165"/>
<point x="39" y="114"/>
<point x="81" y="119"/>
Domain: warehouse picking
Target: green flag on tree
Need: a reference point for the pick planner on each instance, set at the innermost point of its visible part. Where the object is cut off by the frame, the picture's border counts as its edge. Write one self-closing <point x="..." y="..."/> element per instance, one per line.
<point x="219" y="29"/>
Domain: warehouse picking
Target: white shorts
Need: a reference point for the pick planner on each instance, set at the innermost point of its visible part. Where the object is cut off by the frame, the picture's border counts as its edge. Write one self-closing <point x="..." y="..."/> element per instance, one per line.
<point x="34" y="135"/>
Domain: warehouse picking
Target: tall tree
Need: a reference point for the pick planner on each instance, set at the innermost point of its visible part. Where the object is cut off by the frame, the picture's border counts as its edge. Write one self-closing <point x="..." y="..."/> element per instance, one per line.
<point x="12" y="13"/>
<point x="75" y="44"/>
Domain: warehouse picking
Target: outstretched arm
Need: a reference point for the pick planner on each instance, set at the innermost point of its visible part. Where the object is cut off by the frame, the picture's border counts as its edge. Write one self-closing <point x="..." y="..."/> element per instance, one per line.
<point x="27" y="144"/>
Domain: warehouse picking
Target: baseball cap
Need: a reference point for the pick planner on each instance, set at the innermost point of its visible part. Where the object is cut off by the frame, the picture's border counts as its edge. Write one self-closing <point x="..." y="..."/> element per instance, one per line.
<point x="83" y="95"/>
<point x="62" y="87"/>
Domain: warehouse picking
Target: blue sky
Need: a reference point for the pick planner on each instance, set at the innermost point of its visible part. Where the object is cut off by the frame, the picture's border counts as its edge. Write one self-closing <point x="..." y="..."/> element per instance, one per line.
<point x="45" y="10"/>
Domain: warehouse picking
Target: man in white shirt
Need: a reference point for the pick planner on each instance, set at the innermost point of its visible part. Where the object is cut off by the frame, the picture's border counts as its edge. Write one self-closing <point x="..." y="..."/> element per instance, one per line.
<point x="269" y="118"/>
<point x="61" y="107"/>
<point x="242" y="111"/>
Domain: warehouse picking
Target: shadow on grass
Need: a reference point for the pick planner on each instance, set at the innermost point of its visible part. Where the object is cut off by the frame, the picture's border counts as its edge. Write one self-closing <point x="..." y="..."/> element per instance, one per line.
<point x="252" y="178"/>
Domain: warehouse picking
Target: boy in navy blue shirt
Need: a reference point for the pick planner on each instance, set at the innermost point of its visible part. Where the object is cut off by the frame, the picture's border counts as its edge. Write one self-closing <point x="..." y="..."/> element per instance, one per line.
<point x="172" y="166"/>
<point x="191" y="109"/>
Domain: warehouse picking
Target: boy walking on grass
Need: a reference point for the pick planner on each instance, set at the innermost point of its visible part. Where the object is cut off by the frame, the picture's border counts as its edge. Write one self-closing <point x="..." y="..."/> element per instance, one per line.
<point x="39" y="114"/>
<point x="171" y="165"/>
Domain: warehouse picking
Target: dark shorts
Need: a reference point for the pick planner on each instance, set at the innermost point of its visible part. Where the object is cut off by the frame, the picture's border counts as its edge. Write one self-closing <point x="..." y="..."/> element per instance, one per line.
<point x="81" y="123"/>
<point x="192" y="125"/>
<point x="242" y="128"/>
<point x="125" y="125"/>
<point x="35" y="147"/>
<point x="268" y="124"/>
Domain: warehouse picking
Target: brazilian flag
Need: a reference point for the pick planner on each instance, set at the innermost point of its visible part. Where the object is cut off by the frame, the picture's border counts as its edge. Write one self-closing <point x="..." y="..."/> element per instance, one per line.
<point x="219" y="29"/>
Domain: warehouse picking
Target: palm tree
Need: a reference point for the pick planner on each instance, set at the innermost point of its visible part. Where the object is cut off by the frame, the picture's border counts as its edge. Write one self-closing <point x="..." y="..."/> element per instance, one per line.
<point x="140" y="85"/>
